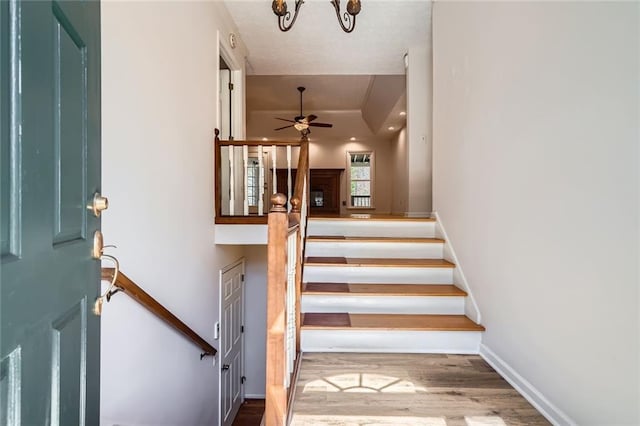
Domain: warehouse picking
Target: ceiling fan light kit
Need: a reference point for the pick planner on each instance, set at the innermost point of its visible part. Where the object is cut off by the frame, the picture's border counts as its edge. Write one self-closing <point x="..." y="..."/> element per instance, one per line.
<point x="347" y="20"/>
<point x="301" y="122"/>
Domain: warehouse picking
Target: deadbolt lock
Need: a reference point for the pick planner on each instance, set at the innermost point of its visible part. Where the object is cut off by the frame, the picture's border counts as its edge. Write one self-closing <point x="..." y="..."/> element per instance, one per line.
<point x="98" y="204"/>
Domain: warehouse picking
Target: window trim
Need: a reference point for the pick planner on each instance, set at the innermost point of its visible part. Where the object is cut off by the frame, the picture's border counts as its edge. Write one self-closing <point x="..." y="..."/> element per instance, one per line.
<point x="371" y="180"/>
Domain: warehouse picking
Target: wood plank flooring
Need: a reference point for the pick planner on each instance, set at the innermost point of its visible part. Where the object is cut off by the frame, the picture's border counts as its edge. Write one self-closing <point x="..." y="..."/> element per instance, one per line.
<point x="346" y="289"/>
<point x="340" y="238"/>
<point x="406" y="389"/>
<point x="359" y="261"/>
<point x="389" y="322"/>
<point x="367" y="216"/>
<point x="250" y="413"/>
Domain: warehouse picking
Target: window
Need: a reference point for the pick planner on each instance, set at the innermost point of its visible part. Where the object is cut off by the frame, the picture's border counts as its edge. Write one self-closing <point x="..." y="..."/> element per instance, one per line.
<point x="360" y="178"/>
<point x="253" y="192"/>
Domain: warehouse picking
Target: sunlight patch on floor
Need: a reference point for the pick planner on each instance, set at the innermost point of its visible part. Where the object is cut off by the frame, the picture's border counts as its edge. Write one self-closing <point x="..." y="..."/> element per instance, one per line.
<point x="362" y="383"/>
<point x="335" y="420"/>
<point x="485" y="421"/>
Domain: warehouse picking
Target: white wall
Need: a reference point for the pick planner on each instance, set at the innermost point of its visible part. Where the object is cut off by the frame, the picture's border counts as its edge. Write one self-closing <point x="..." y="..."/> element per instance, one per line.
<point x="255" y="320"/>
<point x="399" y="185"/>
<point x="159" y="111"/>
<point x="332" y="154"/>
<point x="419" y="144"/>
<point x="536" y="159"/>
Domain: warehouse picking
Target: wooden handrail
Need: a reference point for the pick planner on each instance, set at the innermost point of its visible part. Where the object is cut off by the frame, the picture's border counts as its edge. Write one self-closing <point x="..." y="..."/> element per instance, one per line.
<point x="303" y="170"/>
<point x="235" y="142"/>
<point x="126" y="285"/>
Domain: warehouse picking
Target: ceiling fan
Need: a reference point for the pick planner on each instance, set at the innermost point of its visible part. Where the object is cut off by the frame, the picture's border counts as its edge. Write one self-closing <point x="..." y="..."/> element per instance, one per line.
<point x="302" y="123"/>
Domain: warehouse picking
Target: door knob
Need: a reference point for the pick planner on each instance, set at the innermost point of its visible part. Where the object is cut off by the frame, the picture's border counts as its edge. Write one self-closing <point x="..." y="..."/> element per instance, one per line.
<point x="98" y="204"/>
<point x="225" y="367"/>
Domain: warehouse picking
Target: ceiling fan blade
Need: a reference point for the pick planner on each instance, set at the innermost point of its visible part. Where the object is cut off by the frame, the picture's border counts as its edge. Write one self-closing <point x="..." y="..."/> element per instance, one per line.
<point x="320" y="124"/>
<point x="284" y="119"/>
<point x="311" y="117"/>
<point x="285" y="127"/>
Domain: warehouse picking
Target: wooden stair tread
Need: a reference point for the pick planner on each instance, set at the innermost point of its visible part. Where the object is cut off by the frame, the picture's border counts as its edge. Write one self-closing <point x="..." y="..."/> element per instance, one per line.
<point x="376" y="217"/>
<point x="344" y="321"/>
<point x="340" y="238"/>
<point x="350" y="289"/>
<point x="359" y="261"/>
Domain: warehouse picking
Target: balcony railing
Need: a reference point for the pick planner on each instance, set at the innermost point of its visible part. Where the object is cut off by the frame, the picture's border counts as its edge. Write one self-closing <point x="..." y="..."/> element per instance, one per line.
<point x="248" y="173"/>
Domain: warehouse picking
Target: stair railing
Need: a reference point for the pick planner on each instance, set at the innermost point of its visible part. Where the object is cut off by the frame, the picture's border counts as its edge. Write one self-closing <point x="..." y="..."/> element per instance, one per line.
<point x="124" y="284"/>
<point x="285" y="251"/>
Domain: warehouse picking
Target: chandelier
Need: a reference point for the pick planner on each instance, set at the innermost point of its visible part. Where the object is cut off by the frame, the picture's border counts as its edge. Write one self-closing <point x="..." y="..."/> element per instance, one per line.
<point x="347" y="20"/>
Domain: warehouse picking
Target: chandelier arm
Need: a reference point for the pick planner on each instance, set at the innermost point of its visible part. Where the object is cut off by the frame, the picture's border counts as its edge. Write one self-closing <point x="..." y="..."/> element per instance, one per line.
<point x="350" y="20"/>
<point x="347" y="18"/>
<point x="285" y="22"/>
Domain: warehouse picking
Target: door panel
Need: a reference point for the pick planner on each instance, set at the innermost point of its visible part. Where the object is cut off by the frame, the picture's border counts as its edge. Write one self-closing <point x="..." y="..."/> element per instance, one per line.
<point x="50" y="159"/>
<point x="231" y="396"/>
<point x="70" y="68"/>
<point x="9" y="148"/>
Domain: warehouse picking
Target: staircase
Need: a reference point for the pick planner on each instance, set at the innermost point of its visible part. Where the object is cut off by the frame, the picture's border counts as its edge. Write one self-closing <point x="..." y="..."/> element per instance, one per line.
<point x="381" y="284"/>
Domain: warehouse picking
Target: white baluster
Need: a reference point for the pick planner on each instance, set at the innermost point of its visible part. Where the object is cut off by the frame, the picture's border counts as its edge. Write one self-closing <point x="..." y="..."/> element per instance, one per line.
<point x="260" y="181"/>
<point x="245" y="161"/>
<point x="273" y="165"/>
<point x="232" y="182"/>
<point x="303" y="210"/>
<point x="288" y="178"/>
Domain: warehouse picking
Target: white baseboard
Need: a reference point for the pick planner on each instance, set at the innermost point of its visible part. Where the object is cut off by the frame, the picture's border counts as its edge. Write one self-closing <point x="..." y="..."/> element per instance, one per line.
<point x="472" y="310"/>
<point x="526" y="389"/>
<point x="418" y="214"/>
<point x="254" y="396"/>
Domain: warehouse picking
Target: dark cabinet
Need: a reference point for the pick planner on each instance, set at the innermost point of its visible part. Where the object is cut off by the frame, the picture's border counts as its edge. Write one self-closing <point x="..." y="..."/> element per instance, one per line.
<point x="324" y="189"/>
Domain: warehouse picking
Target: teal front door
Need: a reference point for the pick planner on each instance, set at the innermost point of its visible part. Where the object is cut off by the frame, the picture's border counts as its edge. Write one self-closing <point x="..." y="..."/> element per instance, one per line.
<point x="50" y="171"/>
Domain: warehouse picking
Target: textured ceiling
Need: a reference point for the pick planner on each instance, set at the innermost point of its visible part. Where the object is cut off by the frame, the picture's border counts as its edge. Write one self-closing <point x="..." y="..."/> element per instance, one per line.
<point x="316" y="44"/>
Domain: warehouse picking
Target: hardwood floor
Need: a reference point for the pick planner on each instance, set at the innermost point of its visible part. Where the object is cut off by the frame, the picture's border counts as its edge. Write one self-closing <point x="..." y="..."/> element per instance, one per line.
<point x="316" y="320"/>
<point x="343" y="239"/>
<point x="369" y="216"/>
<point x="383" y="289"/>
<point x="406" y="389"/>
<point x="358" y="261"/>
<point x="250" y="413"/>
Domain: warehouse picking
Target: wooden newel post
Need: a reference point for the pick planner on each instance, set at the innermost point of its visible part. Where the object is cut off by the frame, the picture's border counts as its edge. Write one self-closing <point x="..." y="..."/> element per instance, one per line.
<point x="295" y="204"/>
<point x="276" y="393"/>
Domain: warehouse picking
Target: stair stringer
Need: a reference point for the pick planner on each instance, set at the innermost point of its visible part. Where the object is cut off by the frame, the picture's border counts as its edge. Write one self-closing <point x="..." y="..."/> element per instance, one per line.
<point x="470" y="309"/>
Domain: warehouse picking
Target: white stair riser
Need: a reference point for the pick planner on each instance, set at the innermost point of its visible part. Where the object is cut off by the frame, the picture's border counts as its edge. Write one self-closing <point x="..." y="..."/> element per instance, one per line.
<point x="363" y="228"/>
<point x="390" y="341"/>
<point x="382" y="275"/>
<point x="378" y="250"/>
<point x="383" y="304"/>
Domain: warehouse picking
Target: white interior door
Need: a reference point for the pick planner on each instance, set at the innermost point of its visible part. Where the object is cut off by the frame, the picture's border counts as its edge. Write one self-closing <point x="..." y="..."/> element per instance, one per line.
<point x="231" y="341"/>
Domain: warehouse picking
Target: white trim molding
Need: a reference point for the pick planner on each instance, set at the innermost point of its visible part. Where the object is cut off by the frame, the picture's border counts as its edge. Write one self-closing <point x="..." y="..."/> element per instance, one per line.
<point x="526" y="389"/>
<point x="471" y="309"/>
<point x="254" y="396"/>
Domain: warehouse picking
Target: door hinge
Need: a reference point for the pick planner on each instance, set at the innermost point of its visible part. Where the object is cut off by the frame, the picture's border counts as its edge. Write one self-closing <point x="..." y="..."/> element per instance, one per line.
<point x="242" y="277"/>
<point x="242" y="329"/>
<point x="230" y="86"/>
<point x="243" y="379"/>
